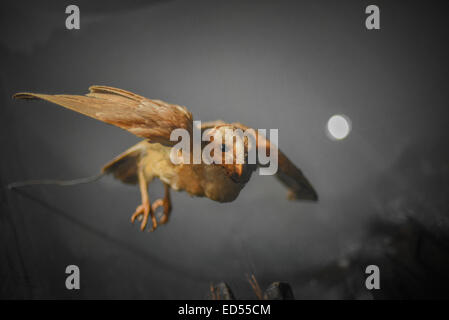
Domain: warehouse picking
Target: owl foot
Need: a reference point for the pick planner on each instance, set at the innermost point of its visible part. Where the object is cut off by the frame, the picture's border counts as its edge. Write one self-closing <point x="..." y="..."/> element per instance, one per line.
<point x="166" y="204"/>
<point x="142" y="213"/>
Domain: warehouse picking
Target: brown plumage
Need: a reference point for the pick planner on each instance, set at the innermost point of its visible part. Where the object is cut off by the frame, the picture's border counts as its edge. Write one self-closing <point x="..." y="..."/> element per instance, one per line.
<point x="154" y="120"/>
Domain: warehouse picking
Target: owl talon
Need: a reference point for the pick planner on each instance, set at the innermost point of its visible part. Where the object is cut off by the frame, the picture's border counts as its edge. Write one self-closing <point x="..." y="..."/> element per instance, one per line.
<point x="163" y="218"/>
<point x="142" y="213"/>
<point x="153" y="219"/>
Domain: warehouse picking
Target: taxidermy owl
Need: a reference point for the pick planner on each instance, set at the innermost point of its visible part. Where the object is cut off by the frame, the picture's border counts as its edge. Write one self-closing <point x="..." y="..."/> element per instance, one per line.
<point x="155" y="120"/>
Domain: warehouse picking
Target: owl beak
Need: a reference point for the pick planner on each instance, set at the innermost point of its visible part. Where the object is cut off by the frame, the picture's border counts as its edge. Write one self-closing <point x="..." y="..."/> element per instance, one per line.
<point x="239" y="169"/>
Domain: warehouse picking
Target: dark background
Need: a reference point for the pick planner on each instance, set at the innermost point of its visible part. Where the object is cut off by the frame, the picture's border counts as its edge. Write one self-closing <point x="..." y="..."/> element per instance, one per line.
<point x="268" y="64"/>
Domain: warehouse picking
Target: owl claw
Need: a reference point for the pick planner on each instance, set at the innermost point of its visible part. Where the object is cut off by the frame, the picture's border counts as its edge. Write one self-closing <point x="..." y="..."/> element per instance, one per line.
<point x="163" y="218"/>
<point x="142" y="213"/>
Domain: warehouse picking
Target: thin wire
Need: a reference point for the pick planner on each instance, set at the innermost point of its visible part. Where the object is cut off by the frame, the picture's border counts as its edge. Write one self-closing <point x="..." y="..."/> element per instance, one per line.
<point x="63" y="183"/>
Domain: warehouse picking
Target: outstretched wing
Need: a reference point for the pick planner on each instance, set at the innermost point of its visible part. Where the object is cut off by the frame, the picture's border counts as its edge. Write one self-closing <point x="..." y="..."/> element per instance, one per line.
<point x="150" y="119"/>
<point x="124" y="167"/>
<point x="299" y="188"/>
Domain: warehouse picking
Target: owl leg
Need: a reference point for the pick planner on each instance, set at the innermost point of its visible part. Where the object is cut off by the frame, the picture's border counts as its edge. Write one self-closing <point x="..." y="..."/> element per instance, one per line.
<point x="144" y="211"/>
<point x="165" y="203"/>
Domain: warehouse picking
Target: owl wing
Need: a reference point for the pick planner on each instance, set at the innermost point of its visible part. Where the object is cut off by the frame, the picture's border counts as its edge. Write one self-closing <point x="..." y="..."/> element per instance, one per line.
<point x="124" y="167"/>
<point x="153" y="120"/>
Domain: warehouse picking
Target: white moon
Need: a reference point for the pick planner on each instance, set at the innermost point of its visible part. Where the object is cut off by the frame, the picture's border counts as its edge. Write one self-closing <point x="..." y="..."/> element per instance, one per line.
<point x="338" y="127"/>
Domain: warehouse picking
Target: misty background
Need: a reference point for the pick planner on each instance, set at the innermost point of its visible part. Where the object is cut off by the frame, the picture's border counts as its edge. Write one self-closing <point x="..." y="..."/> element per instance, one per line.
<point x="289" y="65"/>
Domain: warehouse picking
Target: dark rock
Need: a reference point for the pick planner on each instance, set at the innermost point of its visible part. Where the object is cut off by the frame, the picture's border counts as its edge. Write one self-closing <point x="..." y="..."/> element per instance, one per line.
<point x="279" y="291"/>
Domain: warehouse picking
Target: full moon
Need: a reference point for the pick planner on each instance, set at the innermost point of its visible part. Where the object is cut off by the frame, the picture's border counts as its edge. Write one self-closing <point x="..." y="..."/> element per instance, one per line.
<point x="338" y="127"/>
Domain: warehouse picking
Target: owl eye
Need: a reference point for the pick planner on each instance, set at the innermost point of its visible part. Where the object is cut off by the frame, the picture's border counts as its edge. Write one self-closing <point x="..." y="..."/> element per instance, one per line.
<point x="224" y="148"/>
